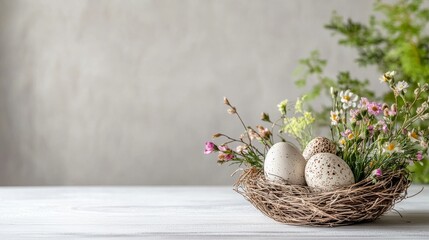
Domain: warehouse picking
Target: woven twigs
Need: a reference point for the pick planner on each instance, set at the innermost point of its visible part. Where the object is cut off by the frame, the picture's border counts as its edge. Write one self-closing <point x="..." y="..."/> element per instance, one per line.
<point x="364" y="201"/>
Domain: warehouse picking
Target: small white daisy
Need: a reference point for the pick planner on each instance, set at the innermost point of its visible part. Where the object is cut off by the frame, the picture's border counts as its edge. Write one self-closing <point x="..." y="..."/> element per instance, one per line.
<point x="348" y="99"/>
<point x="335" y="117"/>
<point x="401" y="86"/>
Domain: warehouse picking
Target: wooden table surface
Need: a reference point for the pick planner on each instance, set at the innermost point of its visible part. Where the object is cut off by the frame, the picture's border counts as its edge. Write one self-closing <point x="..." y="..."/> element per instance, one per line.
<point x="177" y="213"/>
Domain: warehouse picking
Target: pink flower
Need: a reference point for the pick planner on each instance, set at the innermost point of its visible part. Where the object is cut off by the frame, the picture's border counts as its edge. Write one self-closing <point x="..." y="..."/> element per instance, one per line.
<point x="252" y="134"/>
<point x="375" y="108"/>
<point x="363" y="103"/>
<point x="383" y="126"/>
<point x="391" y="113"/>
<point x="354" y="112"/>
<point x="209" y="148"/>
<point x="263" y="132"/>
<point x="346" y="133"/>
<point x="225" y="154"/>
<point x="419" y="156"/>
<point x="225" y="157"/>
<point x="223" y="148"/>
<point x="377" y="172"/>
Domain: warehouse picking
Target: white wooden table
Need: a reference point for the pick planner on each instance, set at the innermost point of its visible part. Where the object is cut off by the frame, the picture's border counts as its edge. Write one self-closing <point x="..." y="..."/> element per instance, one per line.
<point x="176" y="213"/>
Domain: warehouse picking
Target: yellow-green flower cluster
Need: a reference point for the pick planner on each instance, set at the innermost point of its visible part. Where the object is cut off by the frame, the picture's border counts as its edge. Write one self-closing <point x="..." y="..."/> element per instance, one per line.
<point x="282" y="106"/>
<point x="299" y="126"/>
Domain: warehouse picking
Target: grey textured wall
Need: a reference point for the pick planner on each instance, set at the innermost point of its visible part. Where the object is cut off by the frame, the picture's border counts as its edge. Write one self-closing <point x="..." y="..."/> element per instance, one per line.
<point x="126" y="92"/>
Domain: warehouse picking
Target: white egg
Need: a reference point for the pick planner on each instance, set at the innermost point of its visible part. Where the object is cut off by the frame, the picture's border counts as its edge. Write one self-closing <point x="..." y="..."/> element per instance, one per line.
<point x="327" y="171"/>
<point x="319" y="145"/>
<point x="284" y="162"/>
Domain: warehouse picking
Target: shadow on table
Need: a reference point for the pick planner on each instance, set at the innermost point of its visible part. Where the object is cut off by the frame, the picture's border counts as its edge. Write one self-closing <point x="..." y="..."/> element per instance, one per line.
<point x="409" y="218"/>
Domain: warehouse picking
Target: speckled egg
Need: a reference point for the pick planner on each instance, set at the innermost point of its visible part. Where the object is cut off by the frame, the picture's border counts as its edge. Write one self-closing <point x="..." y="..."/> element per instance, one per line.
<point x="326" y="171"/>
<point x="284" y="162"/>
<point x="319" y="145"/>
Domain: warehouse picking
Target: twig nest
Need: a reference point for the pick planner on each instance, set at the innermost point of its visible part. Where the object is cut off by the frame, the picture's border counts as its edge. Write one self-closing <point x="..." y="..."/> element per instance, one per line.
<point x="364" y="201"/>
<point x="285" y="163"/>
<point x="319" y="145"/>
<point x="326" y="171"/>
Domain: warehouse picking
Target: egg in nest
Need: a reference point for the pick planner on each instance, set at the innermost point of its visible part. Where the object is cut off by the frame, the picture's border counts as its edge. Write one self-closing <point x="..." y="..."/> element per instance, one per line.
<point x="319" y="145"/>
<point x="326" y="171"/>
<point x="285" y="163"/>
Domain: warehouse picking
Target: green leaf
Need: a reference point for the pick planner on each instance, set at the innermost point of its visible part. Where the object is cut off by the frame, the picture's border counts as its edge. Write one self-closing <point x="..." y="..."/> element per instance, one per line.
<point x="301" y="82"/>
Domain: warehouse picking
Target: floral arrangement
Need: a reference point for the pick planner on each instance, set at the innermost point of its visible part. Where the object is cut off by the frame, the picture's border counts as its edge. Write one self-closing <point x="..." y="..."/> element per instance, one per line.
<point x="253" y="144"/>
<point x="372" y="138"/>
<point x="369" y="136"/>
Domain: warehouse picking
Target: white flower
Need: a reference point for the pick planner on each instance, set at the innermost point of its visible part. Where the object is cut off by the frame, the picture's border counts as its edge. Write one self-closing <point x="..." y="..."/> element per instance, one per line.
<point x="342" y="142"/>
<point x="335" y="117"/>
<point x="401" y="86"/>
<point x="414" y="136"/>
<point x="383" y="79"/>
<point x="390" y="74"/>
<point x="348" y="99"/>
<point x="387" y="76"/>
<point x="241" y="149"/>
<point x="391" y="147"/>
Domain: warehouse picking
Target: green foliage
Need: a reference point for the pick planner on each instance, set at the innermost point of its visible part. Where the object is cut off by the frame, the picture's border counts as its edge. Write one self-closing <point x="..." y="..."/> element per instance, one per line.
<point x="421" y="172"/>
<point x="397" y="40"/>
<point x="313" y="67"/>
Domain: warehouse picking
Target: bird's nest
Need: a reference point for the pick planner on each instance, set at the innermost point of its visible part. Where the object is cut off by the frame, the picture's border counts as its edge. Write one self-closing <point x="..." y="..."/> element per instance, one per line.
<point x="364" y="201"/>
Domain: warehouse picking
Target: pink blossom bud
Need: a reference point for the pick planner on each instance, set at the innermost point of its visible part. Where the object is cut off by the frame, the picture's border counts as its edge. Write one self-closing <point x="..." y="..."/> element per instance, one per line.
<point x="209" y="147"/>
<point x="377" y="172"/>
<point x="419" y="156"/>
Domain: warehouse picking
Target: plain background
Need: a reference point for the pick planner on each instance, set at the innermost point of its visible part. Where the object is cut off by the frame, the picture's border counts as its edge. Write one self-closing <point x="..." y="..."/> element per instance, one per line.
<point x="120" y="92"/>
